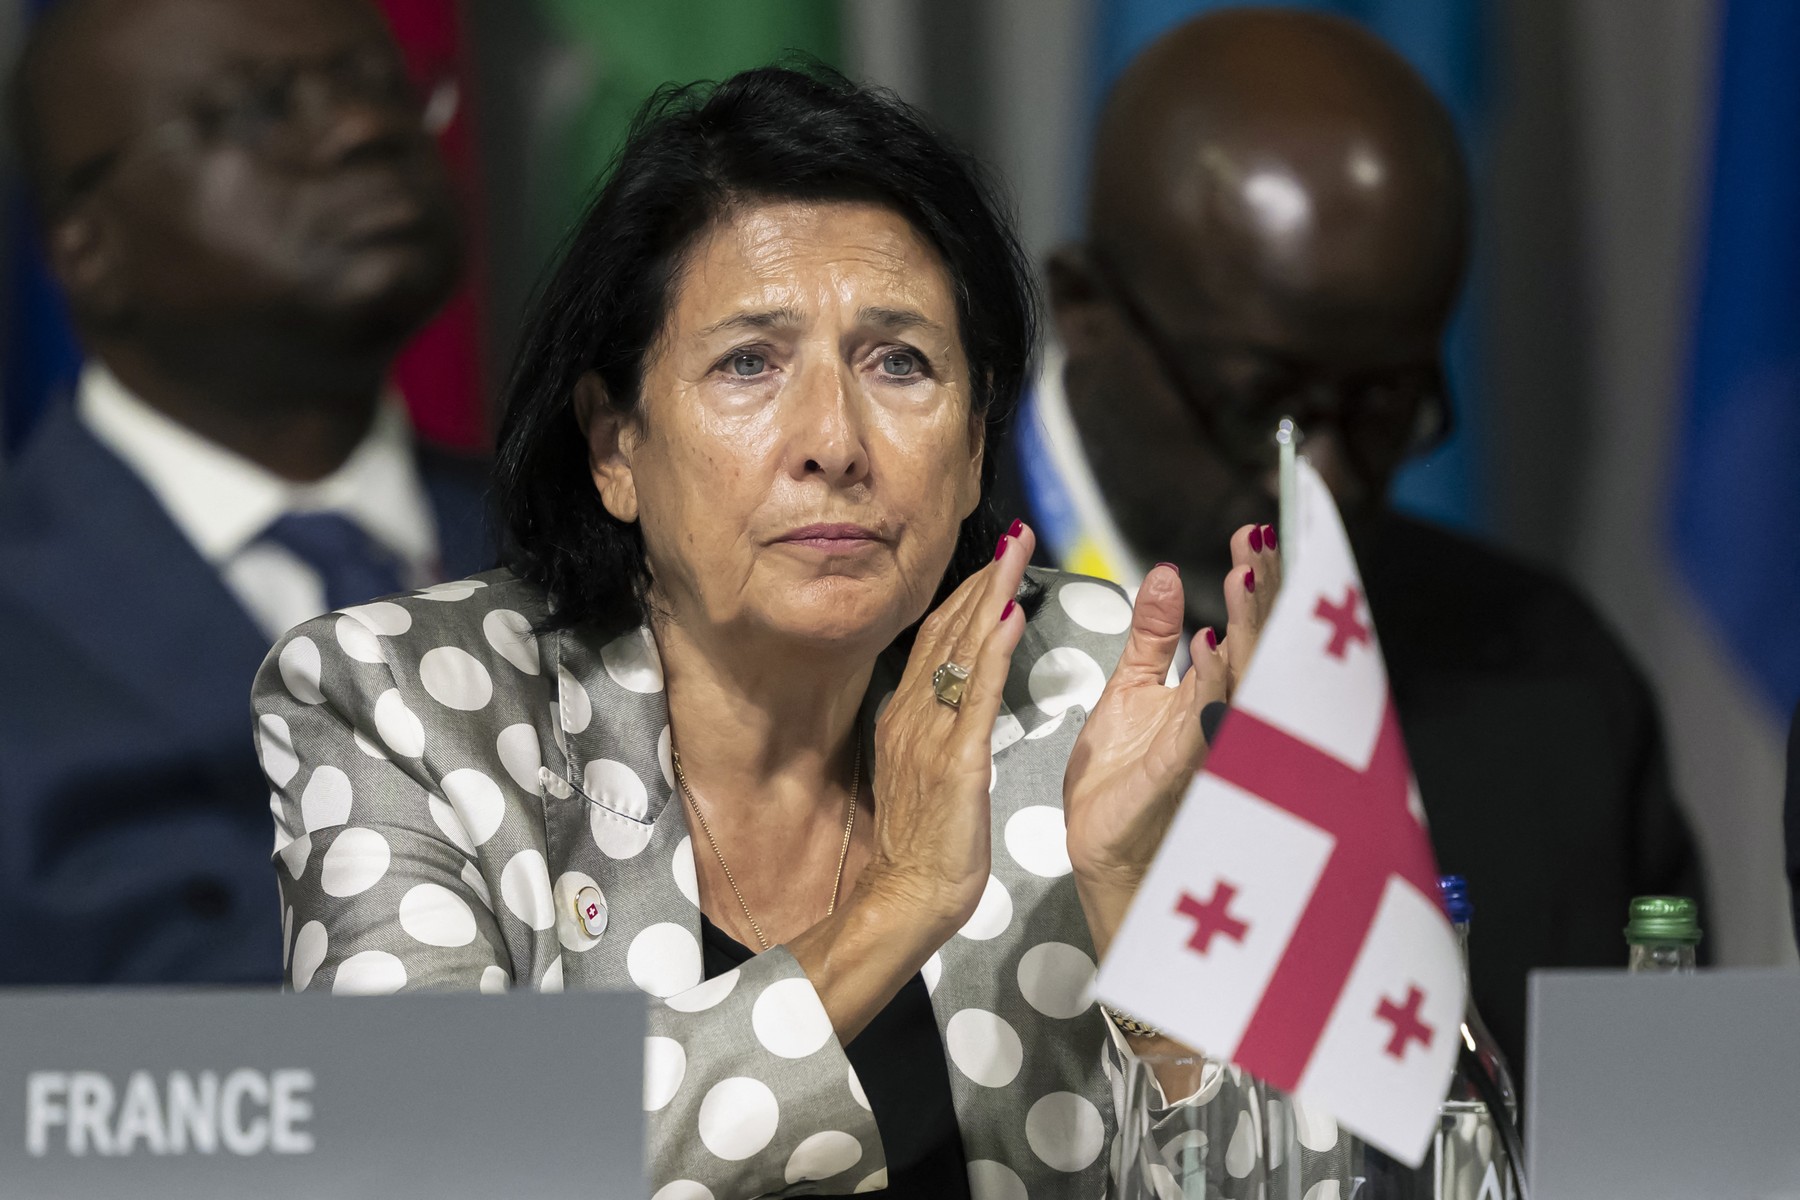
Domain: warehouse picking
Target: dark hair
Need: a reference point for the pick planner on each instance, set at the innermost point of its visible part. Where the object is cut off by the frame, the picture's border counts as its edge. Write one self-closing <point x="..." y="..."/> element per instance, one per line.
<point x="693" y="154"/>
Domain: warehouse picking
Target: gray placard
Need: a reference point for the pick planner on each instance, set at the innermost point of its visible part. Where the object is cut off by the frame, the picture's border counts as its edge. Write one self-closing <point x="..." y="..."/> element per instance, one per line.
<point x="1652" y="1087"/>
<point x="154" y="1095"/>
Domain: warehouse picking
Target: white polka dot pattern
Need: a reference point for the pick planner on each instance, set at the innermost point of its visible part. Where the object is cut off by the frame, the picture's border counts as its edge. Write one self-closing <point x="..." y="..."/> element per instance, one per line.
<point x="509" y="633"/>
<point x="682" y="865"/>
<point x="789" y="1020"/>
<point x="1065" y="1131"/>
<point x="370" y="973"/>
<point x="1095" y="606"/>
<point x="279" y="762"/>
<point x="1240" y="1155"/>
<point x="1314" y="1127"/>
<point x="992" y="914"/>
<point x="383" y="617"/>
<point x="456" y="679"/>
<point x="473" y="880"/>
<point x="357" y="640"/>
<point x="1057" y="979"/>
<point x="824" y="1154"/>
<point x="703" y="996"/>
<point x="632" y="662"/>
<point x="517" y="746"/>
<point x="449" y="824"/>
<point x="1038" y="840"/>
<point x="664" y="959"/>
<point x="1063" y="677"/>
<point x="665" y="1065"/>
<point x="310" y="945"/>
<point x="477" y="801"/>
<point x="294" y="854"/>
<point x="300" y="669"/>
<point x="436" y="916"/>
<point x="525" y="889"/>
<point x="398" y="728"/>
<point x="984" y="1047"/>
<point x="354" y="863"/>
<point x="326" y="801"/>
<point x="738" y="1118"/>
<point x="683" y="1189"/>
<point x="990" y="1180"/>
<point x="448" y="784"/>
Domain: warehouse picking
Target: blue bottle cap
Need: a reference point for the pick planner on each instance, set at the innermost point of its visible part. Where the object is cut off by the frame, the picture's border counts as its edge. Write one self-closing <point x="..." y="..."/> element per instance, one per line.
<point x="1454" y="890"/>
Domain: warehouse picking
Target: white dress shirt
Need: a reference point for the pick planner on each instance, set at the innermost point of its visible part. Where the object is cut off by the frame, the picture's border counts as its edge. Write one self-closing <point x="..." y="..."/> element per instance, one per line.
<point x="222" y="502"/>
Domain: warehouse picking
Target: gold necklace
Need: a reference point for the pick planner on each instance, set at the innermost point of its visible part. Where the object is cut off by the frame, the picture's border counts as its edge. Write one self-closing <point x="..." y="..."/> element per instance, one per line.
<point x="843" y="852"/>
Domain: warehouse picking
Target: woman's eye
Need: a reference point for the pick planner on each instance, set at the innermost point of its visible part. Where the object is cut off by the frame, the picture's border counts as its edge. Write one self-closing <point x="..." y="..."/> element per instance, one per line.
<point x="748" y="364"/>
<point x="900" y="362"/>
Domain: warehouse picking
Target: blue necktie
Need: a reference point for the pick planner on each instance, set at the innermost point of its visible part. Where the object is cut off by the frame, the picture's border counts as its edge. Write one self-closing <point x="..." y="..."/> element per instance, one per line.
<point x="351" y="564"/>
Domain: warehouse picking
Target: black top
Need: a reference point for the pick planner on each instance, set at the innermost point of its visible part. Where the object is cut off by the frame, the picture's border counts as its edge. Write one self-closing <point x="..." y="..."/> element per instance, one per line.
<point x="899" y="1058"/>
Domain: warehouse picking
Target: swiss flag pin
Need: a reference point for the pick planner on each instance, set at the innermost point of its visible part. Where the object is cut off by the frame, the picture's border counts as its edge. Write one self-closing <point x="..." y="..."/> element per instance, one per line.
<point x="590" y="910"/>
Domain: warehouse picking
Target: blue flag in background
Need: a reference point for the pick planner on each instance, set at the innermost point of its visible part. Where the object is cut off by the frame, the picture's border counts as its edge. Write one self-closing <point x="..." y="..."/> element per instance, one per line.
<point x="1736" y="495"/>
<point x="1442" y="39"/>
<point x="39" y="358"/>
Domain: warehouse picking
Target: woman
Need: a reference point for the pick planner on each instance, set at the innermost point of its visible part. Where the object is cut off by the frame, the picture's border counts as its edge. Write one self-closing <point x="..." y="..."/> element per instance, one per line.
<point x="697" y="740"/>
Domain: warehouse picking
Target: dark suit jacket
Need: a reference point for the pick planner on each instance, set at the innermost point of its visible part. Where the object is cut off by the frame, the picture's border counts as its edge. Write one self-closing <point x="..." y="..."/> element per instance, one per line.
<point x="1537" y="749"/>
<point x="134" y="819"/>
<point x="1793" y="820"/>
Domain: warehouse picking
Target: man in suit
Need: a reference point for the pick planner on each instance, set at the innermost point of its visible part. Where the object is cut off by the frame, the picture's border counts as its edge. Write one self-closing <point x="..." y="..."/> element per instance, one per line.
<point x="245" y="207"/>
<point x="1277" y="225"/>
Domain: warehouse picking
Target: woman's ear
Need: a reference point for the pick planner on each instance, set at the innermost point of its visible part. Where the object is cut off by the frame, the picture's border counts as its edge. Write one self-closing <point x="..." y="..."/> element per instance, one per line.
<point x="610" y="436"/>
<point x="971" y="481"/>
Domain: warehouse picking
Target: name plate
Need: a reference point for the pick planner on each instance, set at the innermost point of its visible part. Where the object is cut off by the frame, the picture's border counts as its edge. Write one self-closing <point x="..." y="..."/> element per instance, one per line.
<point x="155" y="1094"/>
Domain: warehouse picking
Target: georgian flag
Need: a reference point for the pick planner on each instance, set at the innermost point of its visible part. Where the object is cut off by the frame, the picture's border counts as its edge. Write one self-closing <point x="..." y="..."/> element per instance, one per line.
<point x="1290" y="924"/>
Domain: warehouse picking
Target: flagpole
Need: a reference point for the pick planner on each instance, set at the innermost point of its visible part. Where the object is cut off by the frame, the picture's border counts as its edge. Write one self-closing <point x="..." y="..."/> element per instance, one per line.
<point x="1287" y="441"/>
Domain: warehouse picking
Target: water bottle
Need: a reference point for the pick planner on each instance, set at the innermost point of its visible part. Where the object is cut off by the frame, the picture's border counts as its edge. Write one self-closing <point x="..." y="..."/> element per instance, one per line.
<point x="1472" y="1154"/>
<point x="1663" y="933"/>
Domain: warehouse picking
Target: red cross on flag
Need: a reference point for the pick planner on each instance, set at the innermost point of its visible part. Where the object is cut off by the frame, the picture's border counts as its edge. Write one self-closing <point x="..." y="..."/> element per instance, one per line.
<point x="1290" y="923"/>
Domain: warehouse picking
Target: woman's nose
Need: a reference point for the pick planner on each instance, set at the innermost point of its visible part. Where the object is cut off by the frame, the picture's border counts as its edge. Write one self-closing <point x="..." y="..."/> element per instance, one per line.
<point x="829" y="435"/>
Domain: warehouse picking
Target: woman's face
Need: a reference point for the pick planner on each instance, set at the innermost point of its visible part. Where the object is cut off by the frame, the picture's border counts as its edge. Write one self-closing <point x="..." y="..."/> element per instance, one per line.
<point x="803" y="454"/>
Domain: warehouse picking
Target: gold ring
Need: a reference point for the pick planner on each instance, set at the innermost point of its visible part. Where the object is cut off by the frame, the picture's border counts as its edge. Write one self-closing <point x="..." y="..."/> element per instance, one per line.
<point x="948" y="682"/>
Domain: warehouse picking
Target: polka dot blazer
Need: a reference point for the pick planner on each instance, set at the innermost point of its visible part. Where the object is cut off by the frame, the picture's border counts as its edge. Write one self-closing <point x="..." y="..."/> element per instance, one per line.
<point x="463" y="804"/>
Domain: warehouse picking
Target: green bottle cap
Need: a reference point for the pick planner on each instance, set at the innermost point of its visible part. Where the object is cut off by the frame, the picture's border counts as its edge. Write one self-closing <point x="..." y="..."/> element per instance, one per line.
<point x="1670" y="919"/>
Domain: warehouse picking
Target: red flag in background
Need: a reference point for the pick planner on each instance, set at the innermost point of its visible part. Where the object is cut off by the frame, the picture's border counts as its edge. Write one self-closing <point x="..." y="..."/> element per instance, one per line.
<point x="441" y="373"/>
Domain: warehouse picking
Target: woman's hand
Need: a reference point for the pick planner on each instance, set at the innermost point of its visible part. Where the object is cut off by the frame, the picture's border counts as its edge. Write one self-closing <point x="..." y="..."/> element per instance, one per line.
<point x="1143" y="744"/>
<point x="933" y="764"/>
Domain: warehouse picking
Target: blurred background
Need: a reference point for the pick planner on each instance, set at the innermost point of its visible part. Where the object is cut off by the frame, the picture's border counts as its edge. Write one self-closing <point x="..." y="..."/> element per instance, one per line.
<point x="1624" y="366"/>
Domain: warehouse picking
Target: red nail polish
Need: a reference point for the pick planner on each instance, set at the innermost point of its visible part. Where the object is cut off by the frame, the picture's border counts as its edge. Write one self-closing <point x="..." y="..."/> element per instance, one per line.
<point x="1249" y="581"/>
<point x="1000" y="547"/>
<point x="1169" y="565"/>
<point x="1269" y="536"/>
<point x="1007" y="611"/>
<point x="1016" y="528"/>
<point x="1212" y="640"/>
<point x="1256" y="539"/>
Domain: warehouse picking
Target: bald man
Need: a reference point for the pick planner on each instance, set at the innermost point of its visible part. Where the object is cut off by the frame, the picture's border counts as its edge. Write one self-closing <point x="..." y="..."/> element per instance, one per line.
<point x="244" y="206"/>
<point x="1278" y="224"/>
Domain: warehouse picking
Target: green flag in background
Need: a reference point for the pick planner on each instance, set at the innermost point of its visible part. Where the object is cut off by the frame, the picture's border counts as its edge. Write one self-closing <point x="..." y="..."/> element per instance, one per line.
<point x="634" y="46"/>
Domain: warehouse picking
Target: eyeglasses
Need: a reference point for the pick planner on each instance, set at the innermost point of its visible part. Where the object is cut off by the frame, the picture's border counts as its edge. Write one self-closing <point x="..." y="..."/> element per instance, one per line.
<point x="280" y="111"/>
<point x="1238" y="395"/>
